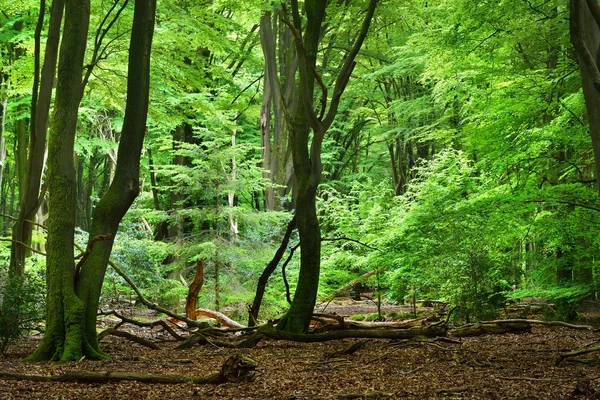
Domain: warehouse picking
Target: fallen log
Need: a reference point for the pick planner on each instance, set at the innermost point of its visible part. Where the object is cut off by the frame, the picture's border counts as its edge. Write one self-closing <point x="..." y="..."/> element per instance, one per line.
<point x="268" y="331"/>
<point x="351" y="324"/>
<point x="236" y="368"/>
<point x="479" y="329"/>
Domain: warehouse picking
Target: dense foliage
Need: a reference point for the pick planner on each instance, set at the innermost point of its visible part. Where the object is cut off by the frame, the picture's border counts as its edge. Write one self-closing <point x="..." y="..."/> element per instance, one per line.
<point x="460" y="156"/>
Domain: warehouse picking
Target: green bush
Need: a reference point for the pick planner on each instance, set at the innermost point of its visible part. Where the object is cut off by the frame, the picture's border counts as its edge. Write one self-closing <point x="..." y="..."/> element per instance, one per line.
<point x="22" y="304"/>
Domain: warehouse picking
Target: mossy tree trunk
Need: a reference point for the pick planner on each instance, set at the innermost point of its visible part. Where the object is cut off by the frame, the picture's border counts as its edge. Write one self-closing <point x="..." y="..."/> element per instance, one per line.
<point x="306" y="150"/>
<point x="74" y="292"/>
<point x="64" y="339"/>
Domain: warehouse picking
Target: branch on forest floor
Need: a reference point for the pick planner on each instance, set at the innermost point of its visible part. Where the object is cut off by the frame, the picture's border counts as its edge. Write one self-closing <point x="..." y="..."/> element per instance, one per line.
<point x="160" y="322"/>
<point x="538" y="322"/>
<point x="129" y="336"/>
<point x="562" y="356"/>
<point x="235" y="369"/>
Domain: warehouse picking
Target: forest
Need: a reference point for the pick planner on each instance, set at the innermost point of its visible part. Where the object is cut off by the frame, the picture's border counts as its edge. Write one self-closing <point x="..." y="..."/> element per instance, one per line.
<point x="345" y="199"/>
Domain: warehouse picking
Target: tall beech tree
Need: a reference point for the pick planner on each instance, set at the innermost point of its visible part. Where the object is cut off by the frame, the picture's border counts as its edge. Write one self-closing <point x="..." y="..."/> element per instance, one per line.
<point x="74" y="290"/>
<point x="306" y="148"/>
<point x="277" y="95"/>
<point x="585" y="37"/>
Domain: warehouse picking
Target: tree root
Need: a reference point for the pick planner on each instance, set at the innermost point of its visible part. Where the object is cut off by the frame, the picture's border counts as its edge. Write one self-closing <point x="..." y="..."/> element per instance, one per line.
<point x="236" y="368"/>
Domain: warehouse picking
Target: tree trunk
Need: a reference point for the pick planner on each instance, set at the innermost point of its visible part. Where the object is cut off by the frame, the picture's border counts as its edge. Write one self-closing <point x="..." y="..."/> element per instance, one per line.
<point x="306" y="151"/>
<point x="194" y="289"/>
<point x="277" y="95"/>
<point x="40" y="109"/>
<point x="64" y="338"/>
<point x="73" y="293"/>
<point x="270" y="268"/>
<point x="585" y="36"/>
<point x="125" y="185"/>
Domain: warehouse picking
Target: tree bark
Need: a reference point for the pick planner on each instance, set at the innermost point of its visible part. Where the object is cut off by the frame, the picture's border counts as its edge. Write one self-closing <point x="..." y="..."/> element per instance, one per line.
<point x="40" y="110"/>
<point x="73" y="293"/>
<point x="585" y="37"/>
<point x="194" y="289"/>
<point x="277" y="95"/>
<point x="125" y="185"/>
<point x="64" y="338"/>
<point x="306" y="150"/>
<point x="269" y="269"/>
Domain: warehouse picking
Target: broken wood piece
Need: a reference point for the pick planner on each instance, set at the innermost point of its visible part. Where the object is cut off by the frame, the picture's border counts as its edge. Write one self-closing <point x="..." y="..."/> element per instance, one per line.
<point x="236" y="368"/>
<point x="219" y="317"/>
<point x="192" y="297"/>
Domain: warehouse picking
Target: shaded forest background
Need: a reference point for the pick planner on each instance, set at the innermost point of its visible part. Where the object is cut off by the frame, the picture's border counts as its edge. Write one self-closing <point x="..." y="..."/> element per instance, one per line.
<point x="459" y="166"/>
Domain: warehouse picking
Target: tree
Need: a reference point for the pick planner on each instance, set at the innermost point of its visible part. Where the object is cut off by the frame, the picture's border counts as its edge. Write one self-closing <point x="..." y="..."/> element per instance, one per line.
<point x="30" y="197"/>
<point x="585" y="36"/>
<point x="306" y="150"/>
<point x="74" y="291"/>
<point x="277" y="95"/>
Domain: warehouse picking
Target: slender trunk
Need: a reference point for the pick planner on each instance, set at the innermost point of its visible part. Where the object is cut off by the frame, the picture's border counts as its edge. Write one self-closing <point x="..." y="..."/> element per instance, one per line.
<point x="40" y="109"/>
<point x="125" y="185"/>
<point x="268" y="271"/>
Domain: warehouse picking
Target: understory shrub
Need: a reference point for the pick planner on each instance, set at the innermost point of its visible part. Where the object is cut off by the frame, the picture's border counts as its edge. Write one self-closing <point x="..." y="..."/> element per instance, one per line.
<point x="22" y="304"/>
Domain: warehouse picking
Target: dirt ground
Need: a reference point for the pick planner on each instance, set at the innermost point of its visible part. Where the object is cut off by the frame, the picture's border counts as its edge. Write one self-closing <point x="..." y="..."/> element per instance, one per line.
<point x="505" y="366"/>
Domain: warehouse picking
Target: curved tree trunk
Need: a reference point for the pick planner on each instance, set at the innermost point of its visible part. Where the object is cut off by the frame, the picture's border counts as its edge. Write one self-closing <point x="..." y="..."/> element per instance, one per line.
<point x="306" y="150"/>
<point x="125" y="186"/>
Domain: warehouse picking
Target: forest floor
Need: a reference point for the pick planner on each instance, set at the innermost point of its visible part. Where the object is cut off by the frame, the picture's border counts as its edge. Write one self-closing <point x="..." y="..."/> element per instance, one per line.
<point x="506" y="366"/>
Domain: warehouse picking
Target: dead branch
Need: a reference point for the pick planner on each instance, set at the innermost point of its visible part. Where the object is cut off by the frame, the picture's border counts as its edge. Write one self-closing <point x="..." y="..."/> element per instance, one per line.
<point x="538" y="322"/>
<point x="128" y="336"/>
<point x="348" y="350"/>
<point x="160" y="322"/>
<point x="574" y="353"/>
<point x="267" y="331"/>
<point x="235" y="369"/>
<point x="220" y="317"/>
<point x="189" y="322"/>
